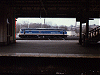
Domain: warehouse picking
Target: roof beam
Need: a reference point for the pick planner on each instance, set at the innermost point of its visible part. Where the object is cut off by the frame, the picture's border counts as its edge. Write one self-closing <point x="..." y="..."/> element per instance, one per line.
<point x="43" y="7"/>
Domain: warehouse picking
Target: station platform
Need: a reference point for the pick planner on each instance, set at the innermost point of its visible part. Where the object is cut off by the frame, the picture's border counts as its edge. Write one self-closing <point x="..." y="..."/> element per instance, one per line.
<point x="50" y="48"/>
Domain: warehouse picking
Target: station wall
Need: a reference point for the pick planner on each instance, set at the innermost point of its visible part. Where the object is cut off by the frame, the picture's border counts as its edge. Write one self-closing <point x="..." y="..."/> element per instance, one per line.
<point x="6" y="25"/>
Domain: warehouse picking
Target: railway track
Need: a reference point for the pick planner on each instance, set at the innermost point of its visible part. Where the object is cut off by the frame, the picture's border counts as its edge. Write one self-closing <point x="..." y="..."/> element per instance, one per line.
<point x="68" y="38"/>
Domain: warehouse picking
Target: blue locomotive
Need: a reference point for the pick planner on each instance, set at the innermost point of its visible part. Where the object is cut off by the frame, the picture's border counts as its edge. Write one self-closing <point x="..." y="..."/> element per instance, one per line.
<point x="42" y="33"/>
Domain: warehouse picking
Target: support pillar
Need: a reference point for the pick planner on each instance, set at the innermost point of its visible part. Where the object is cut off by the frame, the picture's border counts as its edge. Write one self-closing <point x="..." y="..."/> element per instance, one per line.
<point x="11" y="20"/>
<point x="87" y="29"/>
<point x="87" y="33"/>
<point x="7" y="24"/>
<point x="80" y="38"/>
<point x="3" y="25"/>
<point x="14" y="29"/>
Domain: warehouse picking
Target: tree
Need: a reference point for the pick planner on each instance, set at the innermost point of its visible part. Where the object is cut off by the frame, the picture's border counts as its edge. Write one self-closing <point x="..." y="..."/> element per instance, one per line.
<point x="63" y="27"/>
<point x="17" y="28"/>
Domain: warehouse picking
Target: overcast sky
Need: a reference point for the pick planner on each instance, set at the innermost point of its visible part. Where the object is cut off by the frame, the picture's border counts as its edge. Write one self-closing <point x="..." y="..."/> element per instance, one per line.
<point x="55" y="21"/>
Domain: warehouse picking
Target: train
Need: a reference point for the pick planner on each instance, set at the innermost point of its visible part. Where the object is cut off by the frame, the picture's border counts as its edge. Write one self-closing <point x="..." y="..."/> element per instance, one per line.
<point x="42" y="33"/>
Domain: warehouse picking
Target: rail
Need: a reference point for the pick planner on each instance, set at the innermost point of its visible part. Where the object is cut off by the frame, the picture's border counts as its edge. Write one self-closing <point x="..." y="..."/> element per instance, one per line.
<point x="92" y="33"/>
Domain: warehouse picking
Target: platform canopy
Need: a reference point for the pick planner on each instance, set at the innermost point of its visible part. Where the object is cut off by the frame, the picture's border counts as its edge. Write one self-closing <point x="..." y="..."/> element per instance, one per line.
<point x="55" y="8"/>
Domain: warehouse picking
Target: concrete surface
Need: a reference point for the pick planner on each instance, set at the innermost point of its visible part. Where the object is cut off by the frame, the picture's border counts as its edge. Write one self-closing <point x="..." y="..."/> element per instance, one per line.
<point x="50" y="48"/>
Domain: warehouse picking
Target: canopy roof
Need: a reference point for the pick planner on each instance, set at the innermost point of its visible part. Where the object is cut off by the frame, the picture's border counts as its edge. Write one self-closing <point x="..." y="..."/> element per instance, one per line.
<point x="55" y="8"/>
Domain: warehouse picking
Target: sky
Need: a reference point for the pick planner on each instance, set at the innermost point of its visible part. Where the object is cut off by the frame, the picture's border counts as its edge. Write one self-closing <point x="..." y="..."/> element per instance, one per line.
<point x="56" y="21"/>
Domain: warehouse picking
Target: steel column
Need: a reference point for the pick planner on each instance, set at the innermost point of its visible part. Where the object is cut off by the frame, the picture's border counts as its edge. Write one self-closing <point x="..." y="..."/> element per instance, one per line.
<point x="87" y="29"/>
<point x="80" y="38"/>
